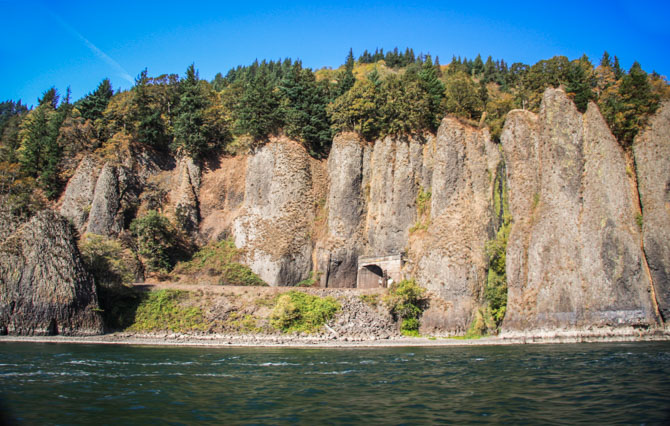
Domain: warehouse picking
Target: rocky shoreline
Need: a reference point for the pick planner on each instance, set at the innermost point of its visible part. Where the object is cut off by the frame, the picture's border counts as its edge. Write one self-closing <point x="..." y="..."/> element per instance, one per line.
<point x="600" y="335"/>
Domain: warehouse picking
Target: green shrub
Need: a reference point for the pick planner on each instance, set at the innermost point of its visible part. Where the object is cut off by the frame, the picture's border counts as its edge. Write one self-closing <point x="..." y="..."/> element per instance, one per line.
<point x="422" y="211"/>
<point x="310" y="281"/>
<point x="156" y="239"/>
<point x="406" y="301"/>
<point x="370" y="299"/>
<point x="495" y="291"/>
<point x="220" y="259"/>
<point x="107" y="260"/>
<point x="639" y="220"/>
<point x="162" y="310"/>
<point x="296" y="312"/>
<point x="410" y="327"/>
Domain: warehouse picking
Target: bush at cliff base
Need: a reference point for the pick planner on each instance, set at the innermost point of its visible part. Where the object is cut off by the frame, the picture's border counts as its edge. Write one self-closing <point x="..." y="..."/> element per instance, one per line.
<point x="406" y="300"/>
<point x="296" y="312"/>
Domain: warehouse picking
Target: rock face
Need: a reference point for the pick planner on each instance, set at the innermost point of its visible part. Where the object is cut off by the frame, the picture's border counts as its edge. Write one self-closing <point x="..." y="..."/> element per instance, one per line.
<point x="44" y="288"/>
<point x="105" y="217"/>
<point x="573" y="255"/>
<point x="79" y="193"/>
<point x="652" y="159"/>
<point x="373" y="210"/>
<point x="338" y="254"/>
<point x="275" y="224"/>
<point x="449" y="257"/>
<point x="187" y="211"/>
<point x="101" y="197"/>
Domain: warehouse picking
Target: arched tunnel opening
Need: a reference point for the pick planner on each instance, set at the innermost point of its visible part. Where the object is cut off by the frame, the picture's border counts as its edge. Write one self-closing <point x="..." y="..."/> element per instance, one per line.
<point x="371" y="276"/>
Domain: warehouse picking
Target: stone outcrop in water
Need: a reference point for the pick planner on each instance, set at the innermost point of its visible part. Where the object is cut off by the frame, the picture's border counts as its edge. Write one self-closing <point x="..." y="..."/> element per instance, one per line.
<point x="573" y="257"/>
<point x="44" y="288"/>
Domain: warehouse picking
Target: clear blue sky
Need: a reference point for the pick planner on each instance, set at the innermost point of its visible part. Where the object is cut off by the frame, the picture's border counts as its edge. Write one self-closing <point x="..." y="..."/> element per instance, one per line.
<point x="78" y="43"/>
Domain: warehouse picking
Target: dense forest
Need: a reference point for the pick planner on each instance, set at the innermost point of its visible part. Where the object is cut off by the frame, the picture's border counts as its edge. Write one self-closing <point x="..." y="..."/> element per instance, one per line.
<point x="378" y="94"/>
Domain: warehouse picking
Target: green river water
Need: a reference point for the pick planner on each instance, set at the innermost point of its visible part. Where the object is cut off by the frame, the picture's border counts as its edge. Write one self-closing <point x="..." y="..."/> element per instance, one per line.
<point x="528" y="384"/>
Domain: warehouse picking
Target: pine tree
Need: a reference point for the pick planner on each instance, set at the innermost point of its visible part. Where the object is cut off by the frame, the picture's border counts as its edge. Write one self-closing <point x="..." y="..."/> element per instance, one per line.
<point x="189" y="130"/>
<point x="579" y="86"/>
<point x="150" y="129"/>
<point x="259" y="113"/>
<point x="39" y="154"/>
<point x="434" y="89"/>
<point x="50" y="98"/>
<point x="93" y="105"/>
<point x="478" y="65"/>
<point x="605" y="61"/>
<point x="618" y="71"/>
<point x="347" y="79"/>
<point x="638" y="100"/>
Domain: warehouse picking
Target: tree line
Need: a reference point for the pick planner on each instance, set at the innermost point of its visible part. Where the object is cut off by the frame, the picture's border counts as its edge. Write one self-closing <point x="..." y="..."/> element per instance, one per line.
<point x="375" y="95"/>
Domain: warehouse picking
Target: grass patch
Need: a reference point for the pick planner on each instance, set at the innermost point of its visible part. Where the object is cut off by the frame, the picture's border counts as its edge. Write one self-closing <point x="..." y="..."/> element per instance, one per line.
<point x="406" y="301"/>
<point x="219" y="260"/>
<point x="244" y="323"/>
<point x="296" y="312"/>
<point x="536" y="201"/>
<point x="162" y="310"/>
<point x="639" y="220"/>
<point x="311" y="281"/>
<point x="370" y="299"/>
<point x="423" y="199"/>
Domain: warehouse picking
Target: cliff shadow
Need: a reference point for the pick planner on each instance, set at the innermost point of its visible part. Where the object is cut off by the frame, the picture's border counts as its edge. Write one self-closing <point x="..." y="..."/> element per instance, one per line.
<point x="119" y="305"/>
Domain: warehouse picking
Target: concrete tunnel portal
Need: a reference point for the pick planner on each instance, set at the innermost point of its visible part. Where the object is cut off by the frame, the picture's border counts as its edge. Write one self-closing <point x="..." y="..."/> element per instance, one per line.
<point x="378" y="271"/>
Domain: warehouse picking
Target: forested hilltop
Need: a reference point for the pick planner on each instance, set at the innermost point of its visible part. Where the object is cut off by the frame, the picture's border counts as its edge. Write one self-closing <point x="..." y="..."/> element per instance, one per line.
<point x="379" y="94"/>
<point x="276" y="174"/>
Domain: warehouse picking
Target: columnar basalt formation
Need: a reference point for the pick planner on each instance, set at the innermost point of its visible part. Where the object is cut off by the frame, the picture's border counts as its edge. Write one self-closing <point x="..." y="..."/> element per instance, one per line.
<point x="573" y="256"/>
<point x="374" y="208"/>
<point x="652" y="161"/>
<point x="275" y="225"/>
<point x="449" y="256"/>
<point x="45" y="289"/>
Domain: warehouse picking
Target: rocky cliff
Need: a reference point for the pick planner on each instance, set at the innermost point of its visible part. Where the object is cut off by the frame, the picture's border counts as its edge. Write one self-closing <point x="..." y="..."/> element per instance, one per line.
<point x="574" y="257"/>
<point x="427" y="197"/>
<point x="588" y="245"/>
<point x="44" y="288"/>
<point x="652" y="161"/>
<point x="275" y="226"/>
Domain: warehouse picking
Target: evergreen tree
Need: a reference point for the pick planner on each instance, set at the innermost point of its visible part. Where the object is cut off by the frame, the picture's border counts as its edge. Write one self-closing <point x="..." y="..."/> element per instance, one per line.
<point x="258" y="112"/>
<point x="489" y="70"/>
<point x="434" y="89"/>
<point x="189" y="130"/>
<point x="347" y="79"/>
<point x="150" y="129"/>
<point x="304" y="107"/>
<point x="39" y="153"/>
<point x="579" y="86"/>
<point x="618" y="71"/>
<point x="50" y="98"/>
<point x="639" y="102"/>
<point x="478" y="65"/>
<point x="93" y="105"/>
<point x="606" y="61"/>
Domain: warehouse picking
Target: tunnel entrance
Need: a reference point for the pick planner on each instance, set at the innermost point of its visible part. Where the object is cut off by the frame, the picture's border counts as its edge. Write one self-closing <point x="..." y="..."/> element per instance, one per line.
<point x="378" y="271"/>
<point x="371" y="276"/>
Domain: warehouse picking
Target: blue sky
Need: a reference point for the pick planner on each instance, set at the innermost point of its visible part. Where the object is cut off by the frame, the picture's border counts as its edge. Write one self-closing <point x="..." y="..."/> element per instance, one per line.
<point x="78" y="43"/>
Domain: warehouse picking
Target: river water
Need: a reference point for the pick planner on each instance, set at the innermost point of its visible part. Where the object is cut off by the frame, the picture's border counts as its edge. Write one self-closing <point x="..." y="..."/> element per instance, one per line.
<point x="556" y="384"/>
